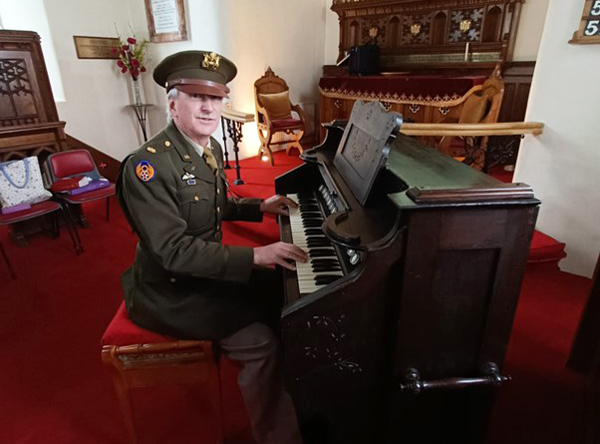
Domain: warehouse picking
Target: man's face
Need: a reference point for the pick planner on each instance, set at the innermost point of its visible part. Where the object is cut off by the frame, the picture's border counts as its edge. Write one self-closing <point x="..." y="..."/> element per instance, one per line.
<point x="197" y="115"/>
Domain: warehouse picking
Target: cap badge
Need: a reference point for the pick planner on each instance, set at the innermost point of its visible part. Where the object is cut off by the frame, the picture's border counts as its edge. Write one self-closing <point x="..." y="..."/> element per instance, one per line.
<point x="211" y="61"/>
<point x="144" y="171"/>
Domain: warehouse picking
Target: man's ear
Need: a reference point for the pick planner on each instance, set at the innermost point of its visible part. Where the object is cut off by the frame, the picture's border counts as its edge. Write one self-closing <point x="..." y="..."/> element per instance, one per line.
<point x="172" y="108"/>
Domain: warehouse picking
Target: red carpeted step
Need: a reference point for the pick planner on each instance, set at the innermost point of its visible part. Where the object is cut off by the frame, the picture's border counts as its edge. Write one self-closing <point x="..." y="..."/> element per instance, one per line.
<point x="545" y="248"/>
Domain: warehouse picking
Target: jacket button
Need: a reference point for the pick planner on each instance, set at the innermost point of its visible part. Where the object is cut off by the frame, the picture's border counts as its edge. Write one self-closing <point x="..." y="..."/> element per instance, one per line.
<point x="173" y="280"/>
<point x="196" y="198"/>
<point x="218" y="190"/>
<point x="218" y="209"/>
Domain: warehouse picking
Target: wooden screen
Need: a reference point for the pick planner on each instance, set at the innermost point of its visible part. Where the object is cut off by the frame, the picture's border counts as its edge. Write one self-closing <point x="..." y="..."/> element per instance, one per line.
<point x="419" y="32"/>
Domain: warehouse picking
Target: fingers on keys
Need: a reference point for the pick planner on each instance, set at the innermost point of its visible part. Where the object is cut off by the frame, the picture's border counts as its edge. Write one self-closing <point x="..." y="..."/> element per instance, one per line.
<point x="288" y="254"/>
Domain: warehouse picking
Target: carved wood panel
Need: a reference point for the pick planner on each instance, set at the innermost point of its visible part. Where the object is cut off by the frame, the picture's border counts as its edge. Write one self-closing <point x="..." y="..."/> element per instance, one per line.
<point x="430" y="32"/>
<point x="19" y="90"/>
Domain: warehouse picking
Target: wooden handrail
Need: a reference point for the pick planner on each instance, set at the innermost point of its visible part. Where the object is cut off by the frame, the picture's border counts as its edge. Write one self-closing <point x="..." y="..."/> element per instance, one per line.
<point x="472" y="129"/>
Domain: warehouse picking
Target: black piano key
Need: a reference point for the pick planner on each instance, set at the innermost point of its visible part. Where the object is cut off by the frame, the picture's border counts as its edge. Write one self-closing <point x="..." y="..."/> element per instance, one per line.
<point x="315" y="243"/>
<point x="324" y="261"/>
<point x="308" y="207"/>
<point x="311" y="214"/>
<point x="313" y="231"/>
<point x="320" y="252"/>
<point x="325" y="269"/>
<point x="324" y="279"/>
<point x="312" y="223"/>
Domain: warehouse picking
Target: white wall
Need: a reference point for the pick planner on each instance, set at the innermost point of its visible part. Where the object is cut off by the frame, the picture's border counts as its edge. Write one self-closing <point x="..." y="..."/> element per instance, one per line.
<point x="528" y="37"/>
<point x="30" y="15"/>
<point x="563" y="164"/>
<point x="531" y="25"/>
<point x="96" y="92"/>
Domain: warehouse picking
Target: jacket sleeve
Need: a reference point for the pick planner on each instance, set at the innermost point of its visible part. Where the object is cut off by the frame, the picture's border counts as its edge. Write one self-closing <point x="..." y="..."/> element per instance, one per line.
<point x="243" y="209"/>
<point x="152" y="208"/>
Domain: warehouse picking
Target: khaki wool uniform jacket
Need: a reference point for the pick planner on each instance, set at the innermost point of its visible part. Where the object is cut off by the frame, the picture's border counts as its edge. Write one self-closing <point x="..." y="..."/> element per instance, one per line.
<point x="184" y="282"/>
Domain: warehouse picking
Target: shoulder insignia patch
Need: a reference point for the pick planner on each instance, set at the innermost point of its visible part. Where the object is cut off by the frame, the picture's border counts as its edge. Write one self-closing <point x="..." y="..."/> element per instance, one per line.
<point x="144" y="171"/>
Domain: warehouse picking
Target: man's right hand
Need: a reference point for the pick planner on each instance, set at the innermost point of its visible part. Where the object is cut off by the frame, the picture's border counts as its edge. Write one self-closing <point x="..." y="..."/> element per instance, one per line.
<point x="279" y="253"/>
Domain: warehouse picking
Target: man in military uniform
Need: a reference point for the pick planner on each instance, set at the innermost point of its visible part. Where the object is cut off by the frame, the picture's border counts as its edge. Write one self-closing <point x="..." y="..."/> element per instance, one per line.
<point x="184" y="282"/>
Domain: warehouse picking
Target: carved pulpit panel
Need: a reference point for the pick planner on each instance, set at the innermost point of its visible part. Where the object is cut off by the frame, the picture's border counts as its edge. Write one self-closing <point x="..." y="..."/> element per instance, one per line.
<point x="29" y="124"/>
<point x="20" y="97"/>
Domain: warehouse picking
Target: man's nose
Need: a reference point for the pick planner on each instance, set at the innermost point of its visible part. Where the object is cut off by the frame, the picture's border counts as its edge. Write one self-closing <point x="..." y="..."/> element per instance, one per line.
<point x="206" y="105"/>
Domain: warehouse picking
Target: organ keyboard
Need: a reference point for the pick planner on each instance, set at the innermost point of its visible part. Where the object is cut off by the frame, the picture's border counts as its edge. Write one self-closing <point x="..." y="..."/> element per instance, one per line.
<point x="414" y="274"/>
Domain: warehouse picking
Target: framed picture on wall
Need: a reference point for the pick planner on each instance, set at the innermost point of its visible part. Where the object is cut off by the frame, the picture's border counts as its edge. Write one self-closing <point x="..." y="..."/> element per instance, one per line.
<point x="166" y="20"/>
<point x="589" y="29"/>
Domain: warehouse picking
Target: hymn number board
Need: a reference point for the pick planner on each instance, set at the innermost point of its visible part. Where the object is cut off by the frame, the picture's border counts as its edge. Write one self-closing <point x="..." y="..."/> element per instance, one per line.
<point x="589" y="30"/>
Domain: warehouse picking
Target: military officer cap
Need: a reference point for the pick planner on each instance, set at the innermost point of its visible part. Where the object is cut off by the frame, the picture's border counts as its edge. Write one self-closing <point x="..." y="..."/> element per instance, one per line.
<point x="196" y="72"/>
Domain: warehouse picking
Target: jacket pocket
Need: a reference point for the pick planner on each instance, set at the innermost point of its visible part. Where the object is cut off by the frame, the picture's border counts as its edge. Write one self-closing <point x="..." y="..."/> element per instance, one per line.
<point x="196" y="205"/>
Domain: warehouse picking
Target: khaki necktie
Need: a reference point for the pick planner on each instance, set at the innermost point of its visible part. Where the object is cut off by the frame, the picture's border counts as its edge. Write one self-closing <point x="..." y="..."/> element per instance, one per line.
<point x="210" y="160"/>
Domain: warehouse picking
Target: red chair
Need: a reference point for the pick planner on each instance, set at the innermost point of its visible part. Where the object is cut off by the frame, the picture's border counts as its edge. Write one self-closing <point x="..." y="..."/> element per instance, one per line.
<point x="140" y="358"/>
<point x="66" y="165"/>
<point x="37" y="210"/>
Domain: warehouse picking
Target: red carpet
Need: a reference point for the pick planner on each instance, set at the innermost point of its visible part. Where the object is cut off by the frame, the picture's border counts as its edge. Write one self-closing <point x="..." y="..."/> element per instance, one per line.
<point x="54" y="389"/>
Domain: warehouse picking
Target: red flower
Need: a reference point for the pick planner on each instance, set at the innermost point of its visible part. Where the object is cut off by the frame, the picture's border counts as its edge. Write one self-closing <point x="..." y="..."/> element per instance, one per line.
<point x="130" y="56"/>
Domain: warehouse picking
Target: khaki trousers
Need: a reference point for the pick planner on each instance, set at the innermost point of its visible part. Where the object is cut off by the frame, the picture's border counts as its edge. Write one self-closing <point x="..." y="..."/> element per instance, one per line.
<point x="272" y="415"/>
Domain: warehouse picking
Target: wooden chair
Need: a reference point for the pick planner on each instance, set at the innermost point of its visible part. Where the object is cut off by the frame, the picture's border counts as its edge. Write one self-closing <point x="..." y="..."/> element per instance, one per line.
<point x="480" y="106"/>
<point x="274" y="115"/>
<point x="139" y="358"/>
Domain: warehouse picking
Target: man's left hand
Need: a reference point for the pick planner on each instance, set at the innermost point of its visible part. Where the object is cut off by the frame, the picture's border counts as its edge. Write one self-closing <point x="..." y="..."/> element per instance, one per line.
<point x="277" y="205"/>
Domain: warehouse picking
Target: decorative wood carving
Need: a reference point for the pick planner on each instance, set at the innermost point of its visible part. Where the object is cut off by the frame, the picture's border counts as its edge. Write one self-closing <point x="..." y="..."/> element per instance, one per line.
<point x="420" y="32"/>
<point x="25" y="93"/>
<point x="29" y="124"/>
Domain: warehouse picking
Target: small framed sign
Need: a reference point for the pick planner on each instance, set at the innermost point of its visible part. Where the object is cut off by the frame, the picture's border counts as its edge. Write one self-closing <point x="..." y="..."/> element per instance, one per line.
<point x="589" y="29"/>
<point x="166" y="20"/>
<point x="95" y="47"/>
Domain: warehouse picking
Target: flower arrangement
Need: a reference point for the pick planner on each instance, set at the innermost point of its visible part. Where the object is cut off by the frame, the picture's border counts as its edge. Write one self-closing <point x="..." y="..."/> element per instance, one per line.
<point x="131" y="56"/>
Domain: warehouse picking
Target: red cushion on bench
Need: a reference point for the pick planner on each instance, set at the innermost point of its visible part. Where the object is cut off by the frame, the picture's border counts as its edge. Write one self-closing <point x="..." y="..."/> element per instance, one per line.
<point x="121" y="331"/>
